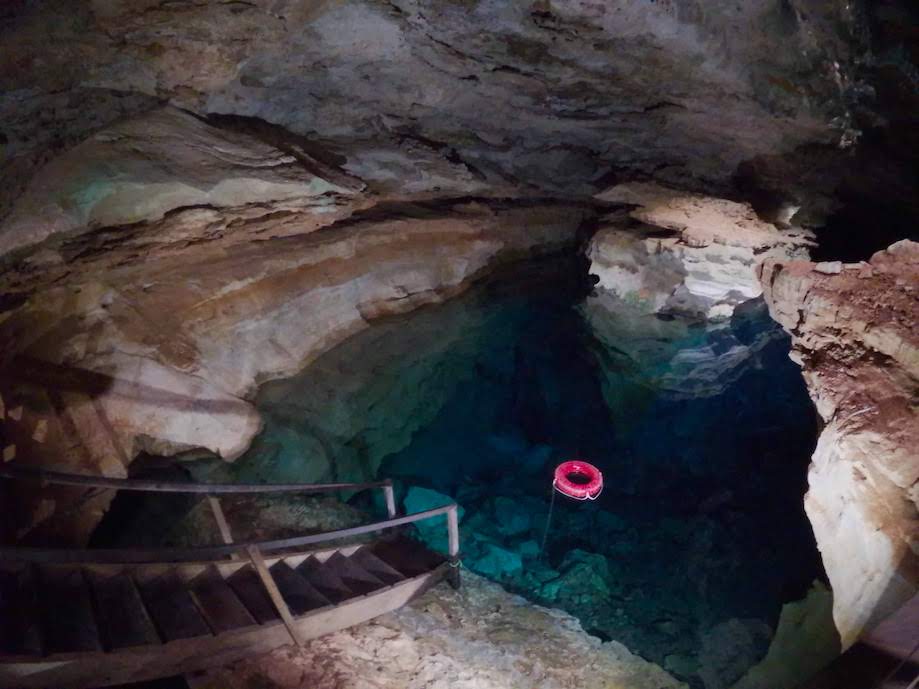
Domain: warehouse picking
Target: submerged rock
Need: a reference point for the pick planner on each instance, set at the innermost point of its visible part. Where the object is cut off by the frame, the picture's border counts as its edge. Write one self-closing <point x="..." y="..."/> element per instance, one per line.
<point x="729" y="648"/>
<point x="496" y="562"/>
<point x="511" y="518"/>
<point x="584" y="587"/>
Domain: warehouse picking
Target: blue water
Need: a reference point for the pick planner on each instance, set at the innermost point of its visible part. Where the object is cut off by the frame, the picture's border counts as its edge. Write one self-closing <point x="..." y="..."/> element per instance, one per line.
<point x="701" y="520"/>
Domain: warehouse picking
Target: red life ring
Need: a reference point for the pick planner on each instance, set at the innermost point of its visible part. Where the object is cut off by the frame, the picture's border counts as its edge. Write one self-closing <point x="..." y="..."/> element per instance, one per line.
<point x="578" y="480"/>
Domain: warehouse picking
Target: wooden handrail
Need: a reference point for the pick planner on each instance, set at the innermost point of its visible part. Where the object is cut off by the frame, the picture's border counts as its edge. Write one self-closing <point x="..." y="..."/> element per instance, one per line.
<point x="56" y="477"/>
<point x="222" y="552"/>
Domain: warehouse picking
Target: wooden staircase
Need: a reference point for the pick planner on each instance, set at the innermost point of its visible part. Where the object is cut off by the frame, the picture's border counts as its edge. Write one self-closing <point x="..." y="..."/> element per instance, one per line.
<point x="90" y="618"/>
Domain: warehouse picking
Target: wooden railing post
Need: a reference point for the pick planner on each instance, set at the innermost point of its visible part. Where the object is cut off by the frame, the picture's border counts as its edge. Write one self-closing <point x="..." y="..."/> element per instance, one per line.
<point x="453" y="576"/>
<point x="222" y="523"/>
<point x="390" y="497"/>
<point x="271" y="587"/>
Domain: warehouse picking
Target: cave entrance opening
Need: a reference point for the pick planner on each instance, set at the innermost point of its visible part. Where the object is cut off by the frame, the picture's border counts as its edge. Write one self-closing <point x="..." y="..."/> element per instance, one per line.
<point x="702" y="432"/>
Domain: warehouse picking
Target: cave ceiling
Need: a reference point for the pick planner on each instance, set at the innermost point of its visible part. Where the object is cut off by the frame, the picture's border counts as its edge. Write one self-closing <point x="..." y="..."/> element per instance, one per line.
<point x="792" y="102"/>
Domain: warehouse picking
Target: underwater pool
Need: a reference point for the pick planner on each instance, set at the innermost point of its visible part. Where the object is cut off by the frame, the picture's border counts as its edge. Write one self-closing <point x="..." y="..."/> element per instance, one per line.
<point x="703" y="434"/>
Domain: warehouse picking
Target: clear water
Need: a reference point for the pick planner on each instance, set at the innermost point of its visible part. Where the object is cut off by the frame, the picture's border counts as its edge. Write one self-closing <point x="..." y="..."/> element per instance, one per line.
<point x="703" y="436"/>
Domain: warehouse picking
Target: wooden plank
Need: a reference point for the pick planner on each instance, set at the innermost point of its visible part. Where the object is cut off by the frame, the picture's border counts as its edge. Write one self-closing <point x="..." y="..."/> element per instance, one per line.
<point x="26" y="473"/>
<point x="376" y="566"/>
<point x="122" y="617"/>
<point x="67" y="620"/>
<point x="221" y="519"/>
<point x="172" y="608"/>
<point x="274" y="592"/>
<point x="247" y="584"/>
<point x="136" y="665"/>
<point x="407" y="556"/>
<point x="222" y="525"/>
<point x="363" y="608"/>
<point x="298" y="593"/>
<point x="325" y="580"/>
<point x="157" y="555"/>
<point x="355" y="577"/>
<point x="19" y="628"/>
<point x="219" y="605"/>
<point x="885" y="657"/>
<point x="151" y="570"/>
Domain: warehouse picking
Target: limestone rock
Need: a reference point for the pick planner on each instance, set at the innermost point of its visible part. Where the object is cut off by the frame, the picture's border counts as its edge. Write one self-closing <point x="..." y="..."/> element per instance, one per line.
<point x="584" y="587"/>
<point x="690" y="254"/>
<point x="496" y="562"/>
<point x="804" y="642"/>
<point x="854" y="334"/>
<point x="142" y="168"/>
<point x="479" y="637"/>
<point x="511" y="518"/>
<point x="418" y="499"/>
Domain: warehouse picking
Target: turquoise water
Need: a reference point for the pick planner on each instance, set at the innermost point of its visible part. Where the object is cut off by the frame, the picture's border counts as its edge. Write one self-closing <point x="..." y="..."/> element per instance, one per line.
<point x="703" y="435"/>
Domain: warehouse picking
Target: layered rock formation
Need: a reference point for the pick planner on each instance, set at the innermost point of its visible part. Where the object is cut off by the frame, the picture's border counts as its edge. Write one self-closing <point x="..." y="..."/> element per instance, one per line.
<point x="676" y="309"/>
<point x="853" y="329"/>
<point x="685" y="254"/>
<point x="174" y="266"/>
<point x="453" y="97"/>
<point x="365" y="398"/>
<point x="480" y="636"/>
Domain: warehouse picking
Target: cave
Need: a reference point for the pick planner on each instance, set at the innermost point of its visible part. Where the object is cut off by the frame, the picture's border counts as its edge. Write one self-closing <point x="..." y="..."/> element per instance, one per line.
<point x="280" y="278"/>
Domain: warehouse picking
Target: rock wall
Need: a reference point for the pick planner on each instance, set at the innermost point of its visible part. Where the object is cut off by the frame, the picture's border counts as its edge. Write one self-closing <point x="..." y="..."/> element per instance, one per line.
<point x="160" y="272"/>
<point x="853" y="329"/>
<point x="686" y="254"/>
<point x="367" y="397"/>
<point x="453" y="96"/>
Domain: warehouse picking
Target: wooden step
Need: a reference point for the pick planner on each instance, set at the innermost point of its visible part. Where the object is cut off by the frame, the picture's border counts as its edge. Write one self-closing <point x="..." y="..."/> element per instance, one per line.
<point x="353" y="575"/>
<point x="172" y="607"/>
<point x="377" y="567"/>
<point x="67" y="619"/>
<point x="247" y="585"/>
<point x="19" y="626"/>
<point x="299" y="594"/>
<point x="407" y="556"/>
<point x="325" y="580"/>
<point x="219" y="604"/>
<point x="122" y="617"/>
